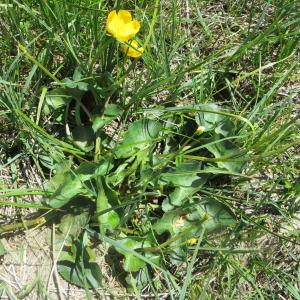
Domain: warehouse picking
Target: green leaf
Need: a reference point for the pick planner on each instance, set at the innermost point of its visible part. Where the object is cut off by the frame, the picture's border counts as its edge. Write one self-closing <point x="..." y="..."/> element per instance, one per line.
<point x="186" y="180"/>
<point x="61" y="170"/>
<point x="226" y="149"/>
<point x="78" y="266"/>
<point x="297" y="186"/>
<point x="213" y="121"/>
<point x="87" y="170"/>
<point x="78" y="88"/>
<point x="208" y="213"/>
<point x="139" y="280"/>
<point x="185" y="175"/>
<point x="131" y="262"/>
<point x="72" y="186"/>
<point x="173" y="221"/>
<point x="56" y="99"/>
<point x="106" y="199"/>
<point x="220" y="126"/>
<point x="149" y="173"/>
<point x="140" y="135"/>
<point x="70" y="272"/>
<point x="73" y="182"/>
<point x="71" y="226"/>
<point x="46" y="160"/>
<point x="112" y="111"/>
<point x="215" y="214"/>
<point x="131" y="168"/>
<point x="178" y="198"/>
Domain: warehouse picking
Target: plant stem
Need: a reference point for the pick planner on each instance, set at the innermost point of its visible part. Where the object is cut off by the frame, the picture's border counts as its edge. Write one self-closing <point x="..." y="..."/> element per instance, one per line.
<point x="25" y="224"/>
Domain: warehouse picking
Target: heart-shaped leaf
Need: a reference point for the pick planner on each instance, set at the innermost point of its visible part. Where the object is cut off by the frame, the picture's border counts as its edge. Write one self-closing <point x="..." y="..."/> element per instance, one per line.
<point x="185" y="175"/>
<point x="71" y="226"/>
<point x="140" y="135"/>
<point x="187" y="180"/>
<point x="226" y="149"/>
<point x="207" y="213"/>
<point x="106" y="199"/>
<point x="188" y="222"/>
<point x="212" y="119"/>
<point x="78" y="267"/>
<point x="178" y="198"/>
<point x="112" y="111"/>
<point x="132" y="263"/>
<point x="74" y="182"/>
<point x="214" y="214"/>
<point x="56" y="99"/>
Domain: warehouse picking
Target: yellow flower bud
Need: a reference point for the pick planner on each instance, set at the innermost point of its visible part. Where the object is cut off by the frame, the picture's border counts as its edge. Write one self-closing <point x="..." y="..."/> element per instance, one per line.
<point x="133" y="50"/>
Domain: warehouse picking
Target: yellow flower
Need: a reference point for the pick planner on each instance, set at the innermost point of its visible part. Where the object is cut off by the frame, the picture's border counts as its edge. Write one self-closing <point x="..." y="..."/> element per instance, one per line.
<point x="121" y="26"/>
<point x="133" y="50"/>
<point x="192" y="241"/>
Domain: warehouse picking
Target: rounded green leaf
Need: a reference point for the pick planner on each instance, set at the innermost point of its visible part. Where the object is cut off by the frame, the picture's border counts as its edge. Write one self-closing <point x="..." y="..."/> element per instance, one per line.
<point x="140" y="135"/>
<point x="185" y="175"/>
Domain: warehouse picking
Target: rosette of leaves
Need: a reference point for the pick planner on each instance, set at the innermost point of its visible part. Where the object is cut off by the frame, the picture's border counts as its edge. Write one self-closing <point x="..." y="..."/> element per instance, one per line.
<point x="149" y="168"/>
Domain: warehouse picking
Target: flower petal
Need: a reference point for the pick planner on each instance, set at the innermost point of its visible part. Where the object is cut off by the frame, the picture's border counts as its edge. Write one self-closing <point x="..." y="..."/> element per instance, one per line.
<point x="125" y="15"/>
<point x="136" y="26"/>
<point x="111" y="15"/>
<point x="112" y="22"/>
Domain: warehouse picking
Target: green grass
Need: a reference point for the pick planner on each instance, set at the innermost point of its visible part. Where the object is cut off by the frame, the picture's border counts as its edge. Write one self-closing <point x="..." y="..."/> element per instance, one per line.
<point x="241" y="55"/>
